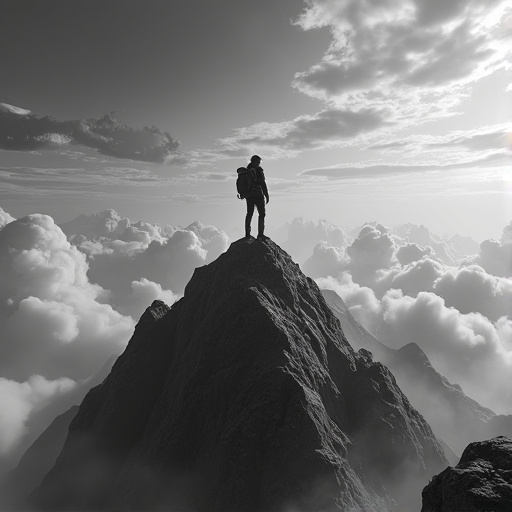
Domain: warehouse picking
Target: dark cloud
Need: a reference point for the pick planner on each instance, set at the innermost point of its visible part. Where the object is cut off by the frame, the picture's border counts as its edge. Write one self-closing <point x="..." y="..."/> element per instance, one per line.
<point x="25" y="132"/>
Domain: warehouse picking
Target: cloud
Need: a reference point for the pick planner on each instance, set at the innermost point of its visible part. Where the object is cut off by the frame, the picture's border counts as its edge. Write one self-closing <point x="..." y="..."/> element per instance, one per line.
<point x="411" y="252"/>
<point x="471" y="289"/>
<point x="326" y="260"/>
<point x="476" y="140"/>
<point x="120" y="252"/>
<point x="460" y="314"/>
<point x="403" y="53"/>
<point x="142" y="294"/>
<point x="497" y="158"/>
<point x="301" y="236"/>
<point x="468" y="349"/>
<point x="110" y="225"/>
<point x="330" y="127"/>
<point x="372" y="250"/>
<point x="5" y="218"/>
<point x="496" y="255"/>
<point x="51" y="317"/>
<point x="410" y="279"/>
<point x="21" y="131"/>
<point x="18" y="400"/>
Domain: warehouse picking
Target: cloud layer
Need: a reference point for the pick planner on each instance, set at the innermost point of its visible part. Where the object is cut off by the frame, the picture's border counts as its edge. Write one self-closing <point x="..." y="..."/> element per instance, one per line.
<point x="428" y="292"/>
<point x="55" y="328"/>
<point x="22" y="131"/>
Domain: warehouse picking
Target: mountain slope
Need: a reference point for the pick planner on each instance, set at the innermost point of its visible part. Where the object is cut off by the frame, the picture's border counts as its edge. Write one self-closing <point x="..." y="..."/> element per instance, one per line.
<point x="36" y="462"/>
<point x="244" y="396"/>
<point x="453" y="416"/>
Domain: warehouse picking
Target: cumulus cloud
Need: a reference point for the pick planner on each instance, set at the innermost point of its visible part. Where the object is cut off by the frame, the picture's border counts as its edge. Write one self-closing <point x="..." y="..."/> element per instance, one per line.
<point x="57" y="330"/>
<point x="326" y="260"/>
<point x="21" y="130"/>
<point x="300" y="236"/>
<point x="110" y="225"/>
<point x="471" y="289"/>
<point x="411" y="252"/>
<point x="52" y="321"/>
<point x="496" y="255"/>
<point x="373" y="249"/>
<point x="120" y="253"/>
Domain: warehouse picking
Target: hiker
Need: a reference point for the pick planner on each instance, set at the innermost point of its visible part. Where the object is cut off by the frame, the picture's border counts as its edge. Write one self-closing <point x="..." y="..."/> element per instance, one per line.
<point x="257" y="197"/>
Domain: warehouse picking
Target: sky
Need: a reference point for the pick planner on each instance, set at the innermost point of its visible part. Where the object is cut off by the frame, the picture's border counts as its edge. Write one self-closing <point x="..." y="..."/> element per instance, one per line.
<point x="393" y="111"/>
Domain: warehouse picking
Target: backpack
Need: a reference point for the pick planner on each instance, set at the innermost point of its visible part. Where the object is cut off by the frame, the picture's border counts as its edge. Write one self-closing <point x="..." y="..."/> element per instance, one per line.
<point x="244" y="182"/>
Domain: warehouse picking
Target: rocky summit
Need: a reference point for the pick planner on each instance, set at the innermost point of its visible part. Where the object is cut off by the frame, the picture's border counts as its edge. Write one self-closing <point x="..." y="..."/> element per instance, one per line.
<point x="481" y="481"/>
<point x="243" y="396"/>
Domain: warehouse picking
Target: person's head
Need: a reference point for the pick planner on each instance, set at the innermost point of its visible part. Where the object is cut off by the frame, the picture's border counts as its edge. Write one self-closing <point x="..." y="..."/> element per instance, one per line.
<point x="256" y="160"/>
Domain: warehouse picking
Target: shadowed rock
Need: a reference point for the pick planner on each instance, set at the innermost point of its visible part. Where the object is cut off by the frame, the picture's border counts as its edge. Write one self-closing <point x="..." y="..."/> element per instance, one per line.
<point x="481" y="481"/>
<point x="244" y="396"/>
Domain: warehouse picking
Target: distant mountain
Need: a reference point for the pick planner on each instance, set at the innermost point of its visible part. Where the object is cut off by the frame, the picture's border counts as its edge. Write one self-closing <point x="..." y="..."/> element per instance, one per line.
<point x="453" y="416"/>
<point x="40" y="457"/>
<point x="244" y="396"/>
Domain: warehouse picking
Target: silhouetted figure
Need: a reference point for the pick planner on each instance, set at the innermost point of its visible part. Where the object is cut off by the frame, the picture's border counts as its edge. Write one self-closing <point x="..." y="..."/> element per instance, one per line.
<point x="258" y="197"/>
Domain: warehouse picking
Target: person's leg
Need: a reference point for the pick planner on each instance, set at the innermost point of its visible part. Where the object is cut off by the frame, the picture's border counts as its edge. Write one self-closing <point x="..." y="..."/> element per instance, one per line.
<point x="260" y="204"/>
<point x="248" y="217"/>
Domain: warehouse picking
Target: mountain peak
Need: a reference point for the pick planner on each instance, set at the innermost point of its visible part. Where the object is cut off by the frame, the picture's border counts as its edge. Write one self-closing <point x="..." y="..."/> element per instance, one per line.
<point x="244" y="396"/>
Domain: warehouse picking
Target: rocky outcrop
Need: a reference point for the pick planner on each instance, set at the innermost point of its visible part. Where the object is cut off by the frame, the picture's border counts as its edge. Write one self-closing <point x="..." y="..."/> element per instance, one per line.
<point x="481" y="481"/>
<point x="453" y="416"/>
<point x="244" y="396"/>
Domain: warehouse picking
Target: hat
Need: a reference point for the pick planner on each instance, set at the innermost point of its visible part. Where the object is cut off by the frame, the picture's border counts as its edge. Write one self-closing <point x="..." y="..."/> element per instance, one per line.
<point x="255" y="157"/>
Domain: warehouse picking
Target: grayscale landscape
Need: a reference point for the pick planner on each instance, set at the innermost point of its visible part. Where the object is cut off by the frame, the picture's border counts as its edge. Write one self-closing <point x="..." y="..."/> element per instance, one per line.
<point x="255" y="256"/>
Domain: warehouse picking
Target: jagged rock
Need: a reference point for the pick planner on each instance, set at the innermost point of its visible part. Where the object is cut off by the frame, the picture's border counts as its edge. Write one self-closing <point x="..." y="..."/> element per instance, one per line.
<point x="244" y="396"/>
<point x="453" y="416"/>
<point x="481" y="481"/>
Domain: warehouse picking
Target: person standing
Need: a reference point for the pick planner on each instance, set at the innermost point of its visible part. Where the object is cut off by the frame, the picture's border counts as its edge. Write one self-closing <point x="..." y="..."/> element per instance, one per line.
<point x="257" y="197"/>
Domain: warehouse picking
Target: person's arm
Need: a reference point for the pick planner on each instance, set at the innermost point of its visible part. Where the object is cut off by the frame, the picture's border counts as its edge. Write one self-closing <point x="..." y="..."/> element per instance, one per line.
<point x="264" y="185"/>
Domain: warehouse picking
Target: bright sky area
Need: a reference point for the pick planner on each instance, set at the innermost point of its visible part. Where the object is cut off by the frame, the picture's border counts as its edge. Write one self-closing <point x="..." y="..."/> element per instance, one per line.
<point x="393" y="111"/>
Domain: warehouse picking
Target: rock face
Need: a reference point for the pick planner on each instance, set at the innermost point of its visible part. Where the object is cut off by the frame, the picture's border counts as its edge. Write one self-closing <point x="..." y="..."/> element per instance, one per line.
<point x="482" y="481"/>
<point x="453" y="416"/>
<point x="244" y="396"/>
